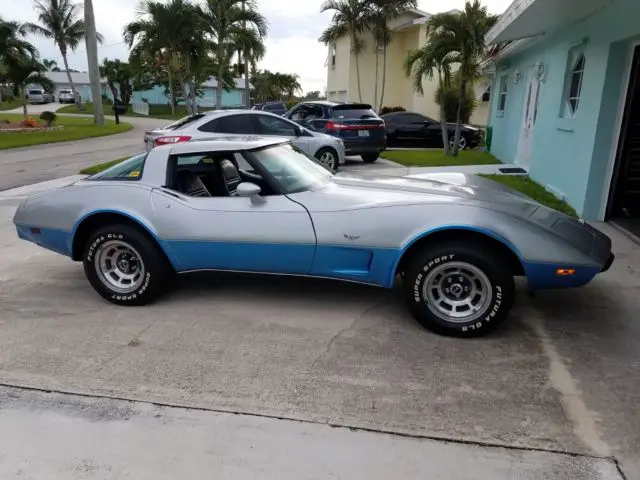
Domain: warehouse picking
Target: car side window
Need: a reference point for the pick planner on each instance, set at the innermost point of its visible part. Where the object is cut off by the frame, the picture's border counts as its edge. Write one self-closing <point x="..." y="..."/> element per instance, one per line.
<point x="300" y="113"/>
<point x="268" y="125"/>
<point x="238" y="124"/>
<point x="130" y="169"/>
<point x="413" y="118"/>
<point x="315" y="112"/>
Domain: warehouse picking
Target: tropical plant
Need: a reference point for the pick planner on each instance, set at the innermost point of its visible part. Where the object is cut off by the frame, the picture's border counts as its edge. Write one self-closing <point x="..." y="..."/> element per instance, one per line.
<point x="59" y="21"/>
<point x="25" y="71"/>
<point x="118" y="73"/>
<point x="232" y="26"/>
<point x="12" y="41"/>
<point x="459" y="38"/>
<point x="169" y="36"/>
<point x="448" y="97"/>
<point x="433" y="58"/>
<point x="350" y="19"/>
<point x="274" y="86"/>
<point x="378" y="14"/>
<point x="50" y="64"/>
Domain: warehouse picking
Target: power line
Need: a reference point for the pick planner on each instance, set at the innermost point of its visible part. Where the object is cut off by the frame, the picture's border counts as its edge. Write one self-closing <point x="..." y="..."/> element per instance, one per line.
<point x="84" y="51"/>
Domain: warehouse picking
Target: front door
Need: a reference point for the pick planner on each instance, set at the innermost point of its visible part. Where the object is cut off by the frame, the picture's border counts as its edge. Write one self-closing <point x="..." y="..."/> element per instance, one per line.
<point x="529" y="116"/>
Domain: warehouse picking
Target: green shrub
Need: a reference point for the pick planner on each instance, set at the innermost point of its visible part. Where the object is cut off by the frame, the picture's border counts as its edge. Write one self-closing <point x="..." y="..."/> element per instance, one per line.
<point x="384" y="110"/>
<point x="290" y="104"/>
<point x="48" y="117"/>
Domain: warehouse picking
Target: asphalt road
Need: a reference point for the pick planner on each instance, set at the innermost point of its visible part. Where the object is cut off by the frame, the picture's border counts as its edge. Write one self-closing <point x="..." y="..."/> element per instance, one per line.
<point x="24" y="166"/>
<point x="562" y="376"/>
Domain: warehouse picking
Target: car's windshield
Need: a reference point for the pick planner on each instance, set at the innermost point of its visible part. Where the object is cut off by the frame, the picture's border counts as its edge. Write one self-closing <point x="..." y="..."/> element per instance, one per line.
<point x="291" y="168"/>
<point x="129" y="169"/>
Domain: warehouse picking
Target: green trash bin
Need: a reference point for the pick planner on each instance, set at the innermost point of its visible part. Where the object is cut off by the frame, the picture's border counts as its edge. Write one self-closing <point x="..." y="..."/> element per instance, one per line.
<point x="487" y="138"/>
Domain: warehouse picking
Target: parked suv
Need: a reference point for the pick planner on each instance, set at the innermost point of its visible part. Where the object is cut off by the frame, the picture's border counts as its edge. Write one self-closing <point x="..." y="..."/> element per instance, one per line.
<point x="328" y="150"/>
<point x="359" y="127"/>
<point x="66" y="96"/>
<point x="278" y="108"/>
<point x="38" y="95"/>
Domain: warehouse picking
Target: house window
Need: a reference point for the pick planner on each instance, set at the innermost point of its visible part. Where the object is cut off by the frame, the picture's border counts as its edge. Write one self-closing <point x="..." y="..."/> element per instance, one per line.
<point x="574" y="84"/>
<point x="502" y="97"/>
<point x="331" y="58"/>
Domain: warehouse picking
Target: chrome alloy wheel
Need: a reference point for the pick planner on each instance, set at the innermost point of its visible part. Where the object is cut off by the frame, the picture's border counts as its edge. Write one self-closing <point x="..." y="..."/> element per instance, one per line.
<point x="461" y="146"/>
<point x="328" y="159"/>
<point x="457" y="292"/>
<point x="119" y="266"/>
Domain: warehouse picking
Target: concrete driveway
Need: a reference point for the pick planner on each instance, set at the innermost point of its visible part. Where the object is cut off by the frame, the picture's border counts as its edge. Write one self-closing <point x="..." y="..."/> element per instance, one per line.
<point x="561" y="377"/>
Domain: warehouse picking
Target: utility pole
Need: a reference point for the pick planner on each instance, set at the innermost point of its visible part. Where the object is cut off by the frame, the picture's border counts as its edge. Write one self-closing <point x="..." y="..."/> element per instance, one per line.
<point x="247" y="90"/>
<point x="91" y="40"/>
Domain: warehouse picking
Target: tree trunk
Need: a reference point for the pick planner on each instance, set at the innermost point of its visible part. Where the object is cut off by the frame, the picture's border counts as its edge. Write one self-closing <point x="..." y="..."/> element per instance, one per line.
<point x="443" y="120"/>
<point x="91" y="41"/>
<point x="219" y="78"/>
<point x="384" y="74"/>
<point x="358" y="76"/>
<point x="375" y="88"/>
<point x="456" y="141"/>
<point x="71" y="85"/>
<point x="172" y="93"/>
<point x="185" y="92"/>
<point x="247" y="89"/>
<point x="24" y="104"/>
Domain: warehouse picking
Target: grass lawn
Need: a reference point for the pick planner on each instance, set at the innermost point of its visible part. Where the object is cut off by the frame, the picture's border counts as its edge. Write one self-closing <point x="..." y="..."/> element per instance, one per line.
<point x="534" y="190"/>
<point x="10" y="105"/>
<point x="437" y="158"/>
<point x="74" y="129"/>
<point x="93" y="169"/>
<point x="155" y="111"/>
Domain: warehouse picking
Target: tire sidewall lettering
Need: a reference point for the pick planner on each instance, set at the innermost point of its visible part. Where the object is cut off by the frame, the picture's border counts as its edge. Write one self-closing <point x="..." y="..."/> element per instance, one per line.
<point x="492" y="311"/>
<point x="94" y="246"/>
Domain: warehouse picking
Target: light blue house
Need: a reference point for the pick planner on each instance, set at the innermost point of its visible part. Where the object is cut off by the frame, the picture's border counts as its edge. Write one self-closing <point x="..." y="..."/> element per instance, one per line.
<point x="566" y="101"/>
<point x="232" y="98"/>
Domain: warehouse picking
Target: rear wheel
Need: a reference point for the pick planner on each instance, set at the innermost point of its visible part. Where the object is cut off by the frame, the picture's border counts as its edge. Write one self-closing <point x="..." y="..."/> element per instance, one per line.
<point x="124" y="266"/>
<point x="460" y="290"/>
<point x="369" y="157"/>
<point x="328" y="157"/>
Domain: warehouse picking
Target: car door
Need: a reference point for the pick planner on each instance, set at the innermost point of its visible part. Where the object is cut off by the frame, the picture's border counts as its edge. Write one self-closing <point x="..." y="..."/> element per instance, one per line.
<point x="274" y="235"/>
<point x="279" y="127"/>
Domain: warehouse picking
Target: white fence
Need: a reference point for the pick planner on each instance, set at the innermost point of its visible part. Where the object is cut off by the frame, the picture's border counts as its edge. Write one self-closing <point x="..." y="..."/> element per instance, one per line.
<point x="141" y="108"/>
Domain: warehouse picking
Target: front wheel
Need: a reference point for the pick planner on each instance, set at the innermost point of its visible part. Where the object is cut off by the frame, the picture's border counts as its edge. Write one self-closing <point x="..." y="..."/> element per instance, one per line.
<point x="462" y="145"/>
<point x="369" y="157"/>
<point x="328" y="158"/>
<point x="124" y="266"/>
<point x="460" y="290"/>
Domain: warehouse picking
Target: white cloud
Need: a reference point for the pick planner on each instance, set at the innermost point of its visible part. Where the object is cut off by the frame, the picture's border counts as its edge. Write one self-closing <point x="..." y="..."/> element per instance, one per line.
<point x="292" y="44"/>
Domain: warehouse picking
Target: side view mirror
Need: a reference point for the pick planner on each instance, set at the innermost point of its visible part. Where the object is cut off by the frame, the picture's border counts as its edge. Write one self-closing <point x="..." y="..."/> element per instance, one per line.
<point x="298" y="132"/>
<point x="250" y="190"/>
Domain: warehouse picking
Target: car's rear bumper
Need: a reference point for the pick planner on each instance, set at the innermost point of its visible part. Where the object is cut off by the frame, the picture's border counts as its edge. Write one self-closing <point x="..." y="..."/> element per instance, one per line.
<point x="608" y="263"/>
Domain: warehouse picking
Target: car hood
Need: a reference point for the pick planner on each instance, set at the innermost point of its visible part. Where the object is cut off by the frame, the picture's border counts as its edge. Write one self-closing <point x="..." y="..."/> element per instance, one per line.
<point x="352" y="190"/>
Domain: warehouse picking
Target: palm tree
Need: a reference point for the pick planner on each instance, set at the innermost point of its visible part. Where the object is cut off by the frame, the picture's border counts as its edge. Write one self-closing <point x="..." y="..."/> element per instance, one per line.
<point x="59" y="20"/>
<point x="49" y="64"/>
<point x="232" y="25"/>
<point x="379" y="13"/>
<point x="171" y="33"/>
<point x="350" y="18"/>
<point x="12" y="42"/>
<point x="21" y="72"/>
<point x="465" y="32"/>
<point x="434" y="57"/>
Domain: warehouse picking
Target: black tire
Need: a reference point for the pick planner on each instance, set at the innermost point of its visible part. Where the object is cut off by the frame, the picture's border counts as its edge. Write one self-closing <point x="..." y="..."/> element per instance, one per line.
<point x="426" y="264"/>
<point x="156" y="267"/>
<point x="369" y="157"/>
<point x="336" y="160"/>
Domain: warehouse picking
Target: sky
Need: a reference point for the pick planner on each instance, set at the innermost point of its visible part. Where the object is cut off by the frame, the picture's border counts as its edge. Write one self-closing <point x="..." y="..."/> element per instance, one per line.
<point x="292" y="43"/>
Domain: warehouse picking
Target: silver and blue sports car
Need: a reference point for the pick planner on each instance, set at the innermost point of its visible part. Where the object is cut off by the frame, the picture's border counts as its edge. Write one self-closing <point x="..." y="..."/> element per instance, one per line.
<point x="454" y="242"/>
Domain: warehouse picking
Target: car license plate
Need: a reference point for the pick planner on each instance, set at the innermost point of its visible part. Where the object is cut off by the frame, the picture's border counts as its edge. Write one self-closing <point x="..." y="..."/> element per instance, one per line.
<point x="363" y="133"/>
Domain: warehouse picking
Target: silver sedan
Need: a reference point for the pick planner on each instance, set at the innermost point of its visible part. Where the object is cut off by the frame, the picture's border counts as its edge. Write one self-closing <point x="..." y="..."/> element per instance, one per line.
<point x="327" y="149"/>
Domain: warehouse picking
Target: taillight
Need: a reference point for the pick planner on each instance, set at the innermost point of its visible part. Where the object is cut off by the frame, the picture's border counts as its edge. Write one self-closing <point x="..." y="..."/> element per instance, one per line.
<point x="336" y="126"/>
<point x="170" y="140"/>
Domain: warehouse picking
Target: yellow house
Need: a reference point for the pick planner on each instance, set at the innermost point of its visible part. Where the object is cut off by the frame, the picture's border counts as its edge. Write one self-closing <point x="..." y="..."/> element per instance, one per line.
<point x="409" y="33"/>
